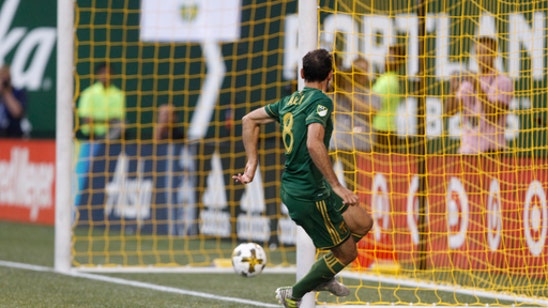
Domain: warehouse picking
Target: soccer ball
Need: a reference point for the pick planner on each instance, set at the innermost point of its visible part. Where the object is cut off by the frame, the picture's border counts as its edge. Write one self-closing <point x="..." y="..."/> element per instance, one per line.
<point x="248" y="259"/>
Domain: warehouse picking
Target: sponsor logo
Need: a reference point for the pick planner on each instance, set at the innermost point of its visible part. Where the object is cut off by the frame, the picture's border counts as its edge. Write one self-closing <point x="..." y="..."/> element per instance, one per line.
<point x="535" y="218"/>
<point x="26" y="184"/>
<point x="413" y="209"/>
<point x="494" y="216"/>
<point x="380" y="203"/>
<point x="129" y="198"/>
<point x="32" y="49"/>
<point x="189" y="11"/>
<point x="457" y="213"/>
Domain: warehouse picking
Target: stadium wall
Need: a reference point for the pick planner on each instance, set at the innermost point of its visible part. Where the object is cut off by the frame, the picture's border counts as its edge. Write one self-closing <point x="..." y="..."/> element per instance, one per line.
<point x="27" y="181"/>
<point x="483" y="213"/>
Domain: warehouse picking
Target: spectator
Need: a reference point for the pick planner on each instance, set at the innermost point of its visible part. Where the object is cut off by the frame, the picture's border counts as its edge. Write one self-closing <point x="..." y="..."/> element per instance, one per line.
<point x="355" y="105"/>
<point x="13" y="102"/>
<point x="166" y="126"/>
<point x="102" y="107"/>
<point x="484" y="102"/>
<point x="387" y="87"/>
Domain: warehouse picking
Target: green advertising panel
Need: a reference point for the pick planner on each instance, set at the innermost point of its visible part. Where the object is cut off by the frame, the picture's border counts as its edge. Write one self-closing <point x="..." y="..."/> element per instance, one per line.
<point x="28" y="40"/>
<point x="258" y="62"/>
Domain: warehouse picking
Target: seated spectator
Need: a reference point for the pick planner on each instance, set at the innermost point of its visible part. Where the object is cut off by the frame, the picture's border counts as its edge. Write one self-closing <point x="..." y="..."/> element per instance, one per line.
<point x="483" y="100"/>
<point x="355" y="106"/>
<point x="13" y="103"/>
<point x="102" y="107"/>
<point x="166" y="126"/>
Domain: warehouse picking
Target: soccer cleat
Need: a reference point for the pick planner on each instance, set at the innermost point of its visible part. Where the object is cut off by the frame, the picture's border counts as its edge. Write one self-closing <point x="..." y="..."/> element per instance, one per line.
<point x="336" y="288"/>
<point x="283" y="295"/>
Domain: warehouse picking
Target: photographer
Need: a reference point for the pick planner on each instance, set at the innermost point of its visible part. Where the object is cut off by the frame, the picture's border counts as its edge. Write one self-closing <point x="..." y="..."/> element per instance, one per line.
<point x="12" y="106"/>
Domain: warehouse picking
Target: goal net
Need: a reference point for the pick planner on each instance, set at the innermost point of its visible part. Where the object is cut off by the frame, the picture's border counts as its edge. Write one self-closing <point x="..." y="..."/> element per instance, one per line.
<point x="444" y="142"/>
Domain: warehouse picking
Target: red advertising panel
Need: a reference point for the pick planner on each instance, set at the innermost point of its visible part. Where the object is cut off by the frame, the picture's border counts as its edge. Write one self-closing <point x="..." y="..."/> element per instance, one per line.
<point x="27" y="180"/>
<point x="384" y="188"/>
<point x="484" y="213"/>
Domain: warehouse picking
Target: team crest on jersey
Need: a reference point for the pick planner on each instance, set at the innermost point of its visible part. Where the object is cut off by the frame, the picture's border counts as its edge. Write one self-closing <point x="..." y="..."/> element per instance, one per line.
<point x="321" y="110"/>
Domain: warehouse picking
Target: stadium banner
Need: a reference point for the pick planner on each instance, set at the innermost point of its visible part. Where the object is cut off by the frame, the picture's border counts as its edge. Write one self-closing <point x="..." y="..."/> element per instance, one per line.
<point x="482" y="212"/>
<point x="27" y="181"/>
<point x="190" y="20"/>
<point x="157" y="187"/>
<point x="134" y="187"/>
<point x="28" y="40"/>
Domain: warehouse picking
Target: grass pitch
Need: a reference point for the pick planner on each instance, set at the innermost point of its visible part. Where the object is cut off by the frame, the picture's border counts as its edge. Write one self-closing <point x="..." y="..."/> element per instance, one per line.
<point x="31" y="244"/>
<point x="28" y="280"/>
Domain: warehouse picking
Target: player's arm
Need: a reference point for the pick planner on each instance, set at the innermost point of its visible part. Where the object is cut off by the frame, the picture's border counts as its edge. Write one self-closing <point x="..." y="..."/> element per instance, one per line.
<point x="250" y="133"/>
<point x="320" y="157"/>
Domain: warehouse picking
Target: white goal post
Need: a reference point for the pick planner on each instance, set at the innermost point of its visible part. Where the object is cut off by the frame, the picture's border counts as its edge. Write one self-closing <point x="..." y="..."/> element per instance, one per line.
<point x="64" y="128"/>
<point x="63" y="131"/>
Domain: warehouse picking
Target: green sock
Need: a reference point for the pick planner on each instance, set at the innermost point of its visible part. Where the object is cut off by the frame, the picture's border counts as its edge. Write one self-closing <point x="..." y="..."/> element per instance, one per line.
<point x="357" y="237"/>
<point x="321" y="271"/>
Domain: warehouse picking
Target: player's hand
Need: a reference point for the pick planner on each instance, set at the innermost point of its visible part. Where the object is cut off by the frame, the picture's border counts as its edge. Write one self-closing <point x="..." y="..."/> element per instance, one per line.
<point x="247" y="176"/>
<point x="347" y="195"/>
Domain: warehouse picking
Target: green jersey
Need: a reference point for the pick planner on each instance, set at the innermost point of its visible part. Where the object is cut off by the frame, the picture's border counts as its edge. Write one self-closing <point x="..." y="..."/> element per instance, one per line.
<point x="301" y="178"/>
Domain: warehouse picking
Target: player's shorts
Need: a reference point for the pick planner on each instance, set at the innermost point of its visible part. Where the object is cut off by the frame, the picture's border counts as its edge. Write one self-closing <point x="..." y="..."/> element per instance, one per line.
<point x="321" y="219"/>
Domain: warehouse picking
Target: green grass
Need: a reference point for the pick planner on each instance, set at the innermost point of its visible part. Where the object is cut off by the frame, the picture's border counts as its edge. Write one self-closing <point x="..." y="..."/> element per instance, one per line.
<point x="99" y="245"/>
<point x="32" y="244"/>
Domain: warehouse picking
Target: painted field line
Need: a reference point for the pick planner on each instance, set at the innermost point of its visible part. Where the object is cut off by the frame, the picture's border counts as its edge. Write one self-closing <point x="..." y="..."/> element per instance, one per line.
<point x="132" y="283"/>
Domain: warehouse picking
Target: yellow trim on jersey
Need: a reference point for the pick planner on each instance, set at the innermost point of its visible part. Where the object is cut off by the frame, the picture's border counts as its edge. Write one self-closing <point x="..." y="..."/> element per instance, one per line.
<point x="330" y="261"/>
<point x="322" y="208"/>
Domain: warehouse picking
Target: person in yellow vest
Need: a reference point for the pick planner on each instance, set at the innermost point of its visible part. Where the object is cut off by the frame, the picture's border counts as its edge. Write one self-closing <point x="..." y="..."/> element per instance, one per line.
<point x="387" y="87"/>
<point x="102" y="107"/>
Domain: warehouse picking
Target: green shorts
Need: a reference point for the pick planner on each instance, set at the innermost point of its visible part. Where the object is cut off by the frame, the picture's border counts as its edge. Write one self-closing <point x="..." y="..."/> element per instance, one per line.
<point x="321" y="219"/>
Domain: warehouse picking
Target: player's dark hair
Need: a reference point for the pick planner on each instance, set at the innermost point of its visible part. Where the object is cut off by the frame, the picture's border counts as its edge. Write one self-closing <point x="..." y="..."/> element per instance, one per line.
<point x="103" y="65"/>
<point x="489" y="41"/>
<point x="317" y="64"/>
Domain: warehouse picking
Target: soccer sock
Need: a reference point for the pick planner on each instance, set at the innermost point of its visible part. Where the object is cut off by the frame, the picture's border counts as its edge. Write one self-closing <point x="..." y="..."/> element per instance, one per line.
<point x="321" y="271"/>
<point x="357" y="237"/>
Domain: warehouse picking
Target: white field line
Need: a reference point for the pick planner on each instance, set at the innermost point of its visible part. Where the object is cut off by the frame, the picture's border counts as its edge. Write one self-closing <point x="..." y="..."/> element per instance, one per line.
<point x="132" y="283"/>
<point x="448" y="288"/>
<point x="180" y="269"/>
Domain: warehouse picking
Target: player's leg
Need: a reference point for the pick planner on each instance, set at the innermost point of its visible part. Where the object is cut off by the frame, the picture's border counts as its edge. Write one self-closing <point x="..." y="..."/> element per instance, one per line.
<point x="358" y="221"/>
<point x="324" y="223"/>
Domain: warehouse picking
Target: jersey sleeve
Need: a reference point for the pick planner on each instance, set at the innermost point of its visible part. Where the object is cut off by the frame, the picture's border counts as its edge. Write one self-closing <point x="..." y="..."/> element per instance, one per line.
<point x="273" y="110"/>
<point x="320" y="112"/>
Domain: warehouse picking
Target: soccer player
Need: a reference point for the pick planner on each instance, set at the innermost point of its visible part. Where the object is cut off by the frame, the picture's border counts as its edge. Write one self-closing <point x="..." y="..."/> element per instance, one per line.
<point x="329" y="213"/>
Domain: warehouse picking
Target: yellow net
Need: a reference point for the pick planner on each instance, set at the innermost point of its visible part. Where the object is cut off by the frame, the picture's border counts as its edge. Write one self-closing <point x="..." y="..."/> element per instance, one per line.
<point x="450" y="159"/>
<point x="453" y="168"/>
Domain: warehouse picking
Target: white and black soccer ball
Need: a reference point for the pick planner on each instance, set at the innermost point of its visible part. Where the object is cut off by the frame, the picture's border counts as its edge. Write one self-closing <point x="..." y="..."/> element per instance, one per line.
<point x="248" y="259"/>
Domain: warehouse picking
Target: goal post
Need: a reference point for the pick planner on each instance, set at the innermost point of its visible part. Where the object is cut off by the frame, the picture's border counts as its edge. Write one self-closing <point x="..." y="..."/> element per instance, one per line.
<point x="308" y="40"/>
<point x="63" y="139"/>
